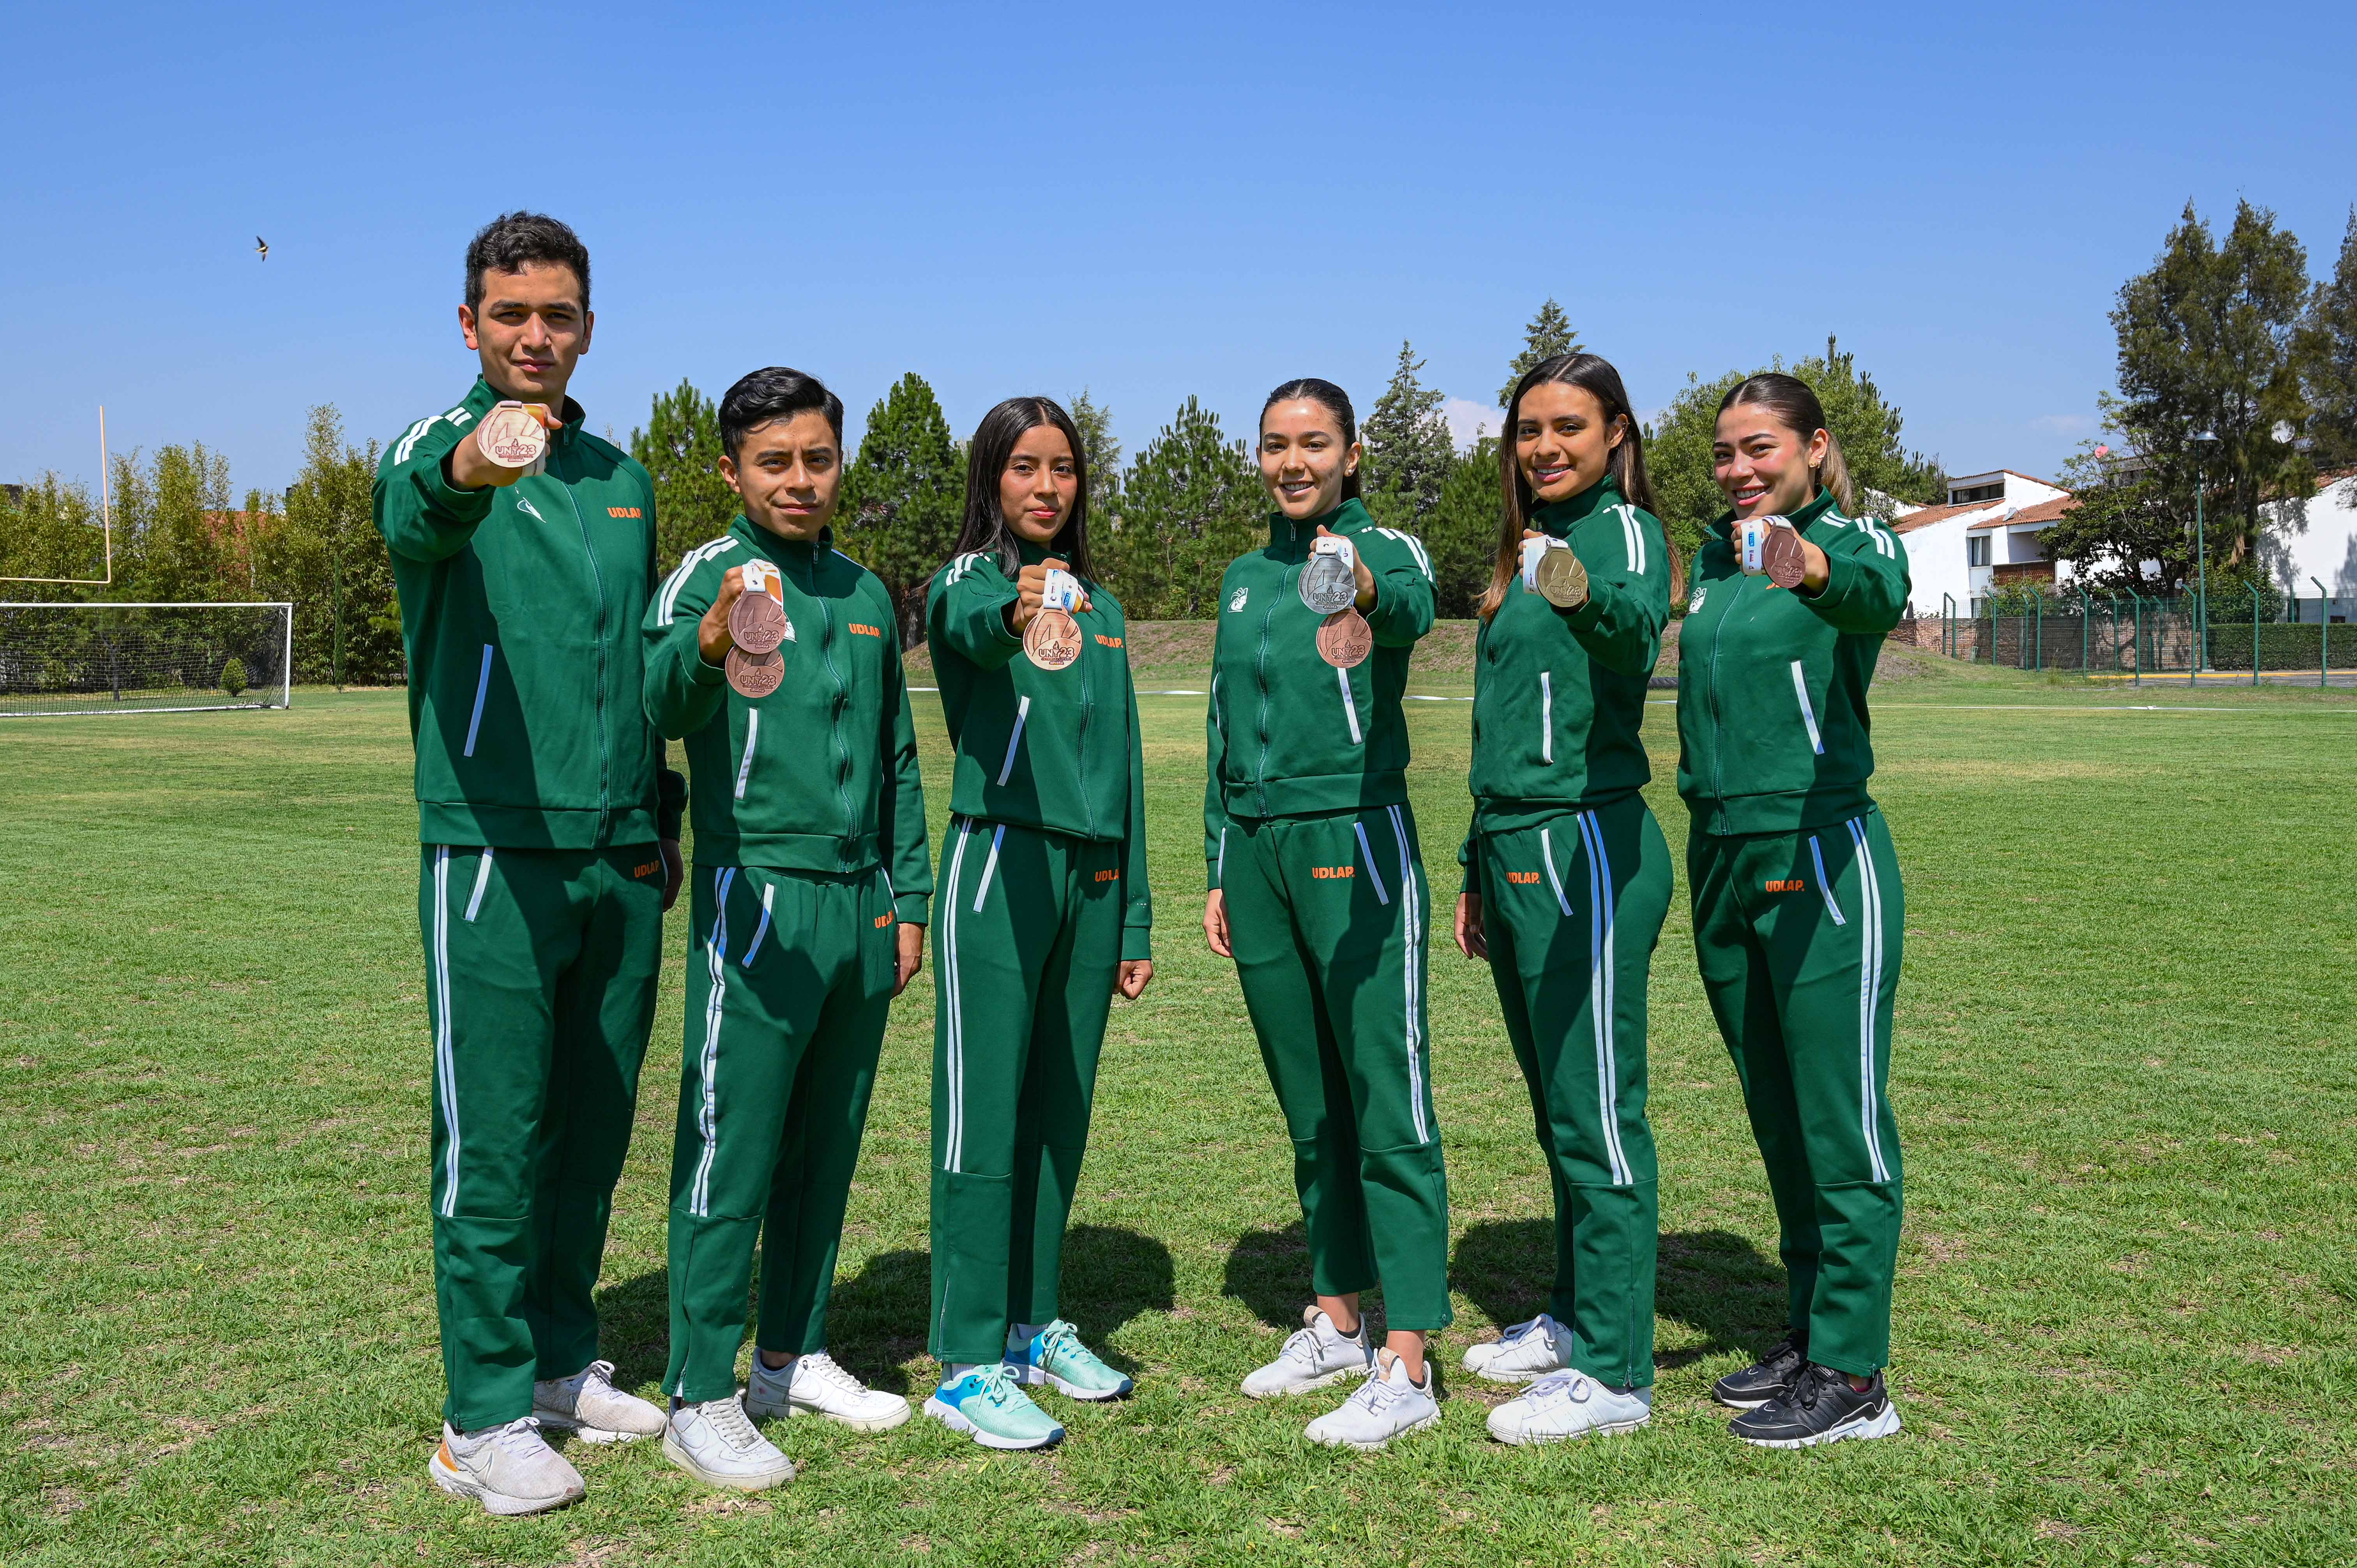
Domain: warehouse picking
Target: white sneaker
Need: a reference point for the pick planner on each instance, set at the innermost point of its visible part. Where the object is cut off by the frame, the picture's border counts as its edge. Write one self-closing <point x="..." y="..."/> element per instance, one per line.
<point x="509" y="1469"/>
<point x="1570" y="1404"/>
<point x="815" y="1384"/>
<point x="1316" y="1356"/>
<point x="1524" y="1353"/>
<point x="716" y="1444"/>
<point x="588" y="1405"/>
<point x="1387" y="1405"/>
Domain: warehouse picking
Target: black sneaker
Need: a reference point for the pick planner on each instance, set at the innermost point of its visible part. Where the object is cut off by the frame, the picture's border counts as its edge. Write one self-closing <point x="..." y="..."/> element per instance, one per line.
<point x="1765" y="1379"/>
<point x="1820" y="1407"/>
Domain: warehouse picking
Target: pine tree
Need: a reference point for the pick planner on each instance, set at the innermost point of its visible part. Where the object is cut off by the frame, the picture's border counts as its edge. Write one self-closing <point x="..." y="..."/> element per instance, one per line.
<point x="1461" y="535"/>
<point x="1190" y="504"/>
<point x="2331" y="354"/>
<point x="903" y="497"/>
<point x="328" y="558"/>
<point x="680" y="448"/>
<point x="1104" y="455"/>
<point x="1550" y="333"/>
<point x="1409" y="451"/>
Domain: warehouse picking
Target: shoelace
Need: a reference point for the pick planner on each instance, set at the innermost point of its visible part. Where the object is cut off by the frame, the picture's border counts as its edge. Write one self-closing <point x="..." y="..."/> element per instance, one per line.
<point x="597" y="1376"/>
<point x="1379" y="1391"/>
<point x="1516" y="1333"/>
<point x="730" y="1421"/>
<point x="519" y="1438"/>
<point x="824" y="1367"/>
<point x="1058" y="1338"/>
<point x="1560" y="1386"/>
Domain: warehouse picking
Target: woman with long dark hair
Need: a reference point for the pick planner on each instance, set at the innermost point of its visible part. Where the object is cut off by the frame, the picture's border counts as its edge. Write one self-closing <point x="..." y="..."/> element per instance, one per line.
<point x="1318" y="894"/>
<point x="1798" y="914"/>
<point x="1567" y="877"/>
<point x="1043" y="915"/>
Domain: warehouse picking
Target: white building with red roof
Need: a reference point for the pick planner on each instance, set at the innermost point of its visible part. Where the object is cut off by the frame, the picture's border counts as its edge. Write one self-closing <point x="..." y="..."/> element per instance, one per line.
<point x="1990" y="533"/>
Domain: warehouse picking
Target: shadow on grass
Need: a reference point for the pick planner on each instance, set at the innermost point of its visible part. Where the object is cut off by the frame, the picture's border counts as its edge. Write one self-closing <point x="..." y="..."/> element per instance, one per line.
<point x="1269" y="1271"/>
<point x="634" y="1329"/>
<point x="1712" y="1281"/>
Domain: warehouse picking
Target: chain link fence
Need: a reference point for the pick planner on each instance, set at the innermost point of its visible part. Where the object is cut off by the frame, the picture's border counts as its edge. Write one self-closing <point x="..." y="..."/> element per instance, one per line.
<point x="2138" y="637"/>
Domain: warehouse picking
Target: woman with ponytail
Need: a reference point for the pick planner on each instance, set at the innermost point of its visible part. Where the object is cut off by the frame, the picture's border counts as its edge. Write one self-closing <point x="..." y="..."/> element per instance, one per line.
<point x="1567" y="877"/>
<point x="1318" y="894"/>
<point x="1798" y="912"/>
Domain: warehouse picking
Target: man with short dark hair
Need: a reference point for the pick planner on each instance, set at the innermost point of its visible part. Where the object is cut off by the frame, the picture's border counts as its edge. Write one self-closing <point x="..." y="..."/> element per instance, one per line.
<point x="777" y="659"/>
<point x="524" y="552"/>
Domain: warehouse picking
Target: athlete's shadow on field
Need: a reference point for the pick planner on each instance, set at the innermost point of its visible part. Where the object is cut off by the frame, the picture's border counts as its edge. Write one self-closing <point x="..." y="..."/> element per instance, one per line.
<point x="1712" y="1281"/>
<point x="876" y="1318"/>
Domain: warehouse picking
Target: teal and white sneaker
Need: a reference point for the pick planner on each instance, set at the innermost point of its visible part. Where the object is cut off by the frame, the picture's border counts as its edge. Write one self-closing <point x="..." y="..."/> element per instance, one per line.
<point x="1056" y="1357"/>
<point x="986" y="1403"/>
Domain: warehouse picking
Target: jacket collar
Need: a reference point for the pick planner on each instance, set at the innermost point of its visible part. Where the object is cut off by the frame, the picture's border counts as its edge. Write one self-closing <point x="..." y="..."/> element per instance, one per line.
<point x="775" y="547"/>
<point x="1559" y="517"/>
<point x="1725" y="526"/>
<point x="1349" y="517"/>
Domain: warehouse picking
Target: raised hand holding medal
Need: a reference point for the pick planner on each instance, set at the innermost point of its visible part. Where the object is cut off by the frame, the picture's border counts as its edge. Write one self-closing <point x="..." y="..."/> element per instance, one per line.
<point x="1552" y="571"/>
<point x="514" y="435"/>
<point x="1047" y="597"/>
<point x="1330" y="584"/>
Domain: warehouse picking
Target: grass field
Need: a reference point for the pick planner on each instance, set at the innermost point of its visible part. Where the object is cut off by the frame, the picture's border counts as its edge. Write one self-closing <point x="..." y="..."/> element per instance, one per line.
<point x="2124" y="1073"/>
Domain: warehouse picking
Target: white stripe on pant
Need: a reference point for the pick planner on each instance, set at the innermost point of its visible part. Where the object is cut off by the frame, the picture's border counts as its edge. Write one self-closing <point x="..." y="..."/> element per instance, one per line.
<point x="1869" y="988"/>
<point x="1411" y="918"/>
<point x="1601" y="998"/>
<point x="708" y="1115"/>
<point x="445" y="1056"/>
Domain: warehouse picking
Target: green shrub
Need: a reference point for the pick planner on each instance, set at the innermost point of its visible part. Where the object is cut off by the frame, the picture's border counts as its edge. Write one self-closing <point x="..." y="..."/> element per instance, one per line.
<point x="233" y="678"/>
<point x="2284" y="645"/>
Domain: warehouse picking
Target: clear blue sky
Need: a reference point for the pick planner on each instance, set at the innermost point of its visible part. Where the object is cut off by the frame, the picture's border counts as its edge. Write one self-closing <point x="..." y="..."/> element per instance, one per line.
<point x="1196" y="199"/>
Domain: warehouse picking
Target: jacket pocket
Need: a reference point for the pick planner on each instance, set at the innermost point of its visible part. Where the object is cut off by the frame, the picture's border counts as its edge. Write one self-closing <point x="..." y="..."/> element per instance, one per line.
<point x="1015" y="741"/>
<point x="752" y="739"/>
<point x="1546" y="716"/>
<point x="1349" y="706"/>
<point x="482" y="690"/>
<point x="1808" y="711"/>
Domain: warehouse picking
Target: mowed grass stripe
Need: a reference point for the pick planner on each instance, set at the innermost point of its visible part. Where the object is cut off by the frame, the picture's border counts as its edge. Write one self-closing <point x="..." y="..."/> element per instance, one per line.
<point x="2124" y="1080"/>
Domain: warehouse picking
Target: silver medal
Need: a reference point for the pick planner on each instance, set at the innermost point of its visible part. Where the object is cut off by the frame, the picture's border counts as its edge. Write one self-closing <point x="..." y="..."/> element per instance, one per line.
<point x="1329" y="578"/>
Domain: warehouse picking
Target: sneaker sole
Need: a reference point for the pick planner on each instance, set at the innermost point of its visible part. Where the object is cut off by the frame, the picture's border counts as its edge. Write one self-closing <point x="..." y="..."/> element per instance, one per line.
<point x="1311" y="1386"/>
<point x="1033" y="1377"/>
<point x="758" y="1483"/>
<point x="948" y="1416"/>
<point x="767" y="1411"/>
<point x="1747" y="1401"/>
<point x="1488" y="1375"/>
<point x="499" y="1503"/>
<point x="1432" y="1420"/>
<point x="565" y="1423"/>
<point x="1881" y="1424"/>
<point x="1609" y="1429"/>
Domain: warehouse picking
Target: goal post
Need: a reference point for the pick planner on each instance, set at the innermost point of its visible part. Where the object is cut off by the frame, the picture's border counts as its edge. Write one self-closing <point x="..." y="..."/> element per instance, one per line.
<point x="59" y="658"/>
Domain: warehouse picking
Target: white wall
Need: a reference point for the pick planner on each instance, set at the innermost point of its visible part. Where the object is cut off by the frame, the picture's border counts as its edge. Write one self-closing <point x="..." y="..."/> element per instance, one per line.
<point x="1935" y="562"/>
<point x="2316" y="537"/>
<point x="2021" y="490"/>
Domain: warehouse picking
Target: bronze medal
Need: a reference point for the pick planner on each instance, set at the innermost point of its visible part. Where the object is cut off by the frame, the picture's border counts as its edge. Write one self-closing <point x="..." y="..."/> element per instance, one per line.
<point x="1345" y="639"/>
<point x="1053" y="640"/>
<point x="1781" y="557"/>
<point x="1562" y="580"/>
<point x="511" y="435"/>
<point x="758" y="623"/>
<point x="755" y="675"/>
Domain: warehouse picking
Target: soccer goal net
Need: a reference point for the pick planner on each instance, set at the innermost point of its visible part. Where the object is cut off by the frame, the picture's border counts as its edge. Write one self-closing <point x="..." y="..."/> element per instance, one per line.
<point x="58" y="659"/>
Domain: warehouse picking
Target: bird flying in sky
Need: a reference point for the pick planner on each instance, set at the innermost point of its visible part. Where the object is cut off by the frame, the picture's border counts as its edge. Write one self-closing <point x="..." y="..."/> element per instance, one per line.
<point x="262" y="247"/>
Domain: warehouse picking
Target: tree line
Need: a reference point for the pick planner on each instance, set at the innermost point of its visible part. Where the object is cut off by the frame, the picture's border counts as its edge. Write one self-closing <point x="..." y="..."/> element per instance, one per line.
<point x="1168" y="519"/>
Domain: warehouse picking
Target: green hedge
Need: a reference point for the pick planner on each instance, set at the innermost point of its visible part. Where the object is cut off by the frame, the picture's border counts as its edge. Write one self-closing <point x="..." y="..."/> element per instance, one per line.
<point x="2282" y="645"/>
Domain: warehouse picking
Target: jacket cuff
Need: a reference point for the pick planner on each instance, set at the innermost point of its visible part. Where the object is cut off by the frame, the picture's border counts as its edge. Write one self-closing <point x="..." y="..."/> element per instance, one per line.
<point x="909" y="908"/>
<point x="998" y="618"/>
<point x="1136" y="944"/>
<point x="1844" y="575"/>
<point x="465" y="506"/>
<point x="1210" y="875"/>
<point x="703" y="672"/>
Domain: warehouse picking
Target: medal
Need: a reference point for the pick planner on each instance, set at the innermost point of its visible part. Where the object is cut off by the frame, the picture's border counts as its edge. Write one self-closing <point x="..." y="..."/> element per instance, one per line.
<point x="1552" y="571"/>
<point x="1052" y="638"/>
<point x="1329" y="578"/>
<point x="1345" y="639"/>
<point x="511" y="435"/>
<point x="757" y="622"/>
<point x="1781" y="557"/>
<point x="755" y="675"/>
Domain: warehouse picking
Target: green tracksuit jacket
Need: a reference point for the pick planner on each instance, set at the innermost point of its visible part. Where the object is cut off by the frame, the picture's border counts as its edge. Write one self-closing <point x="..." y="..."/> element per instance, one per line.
<point x="1798" y="914"/>
<point x="1043" y="892"/>
<point x="541" y="791"/>
<point x="810" y="840"/>
<point x="1309" y="836"/>
<point x="1575" y="882"/>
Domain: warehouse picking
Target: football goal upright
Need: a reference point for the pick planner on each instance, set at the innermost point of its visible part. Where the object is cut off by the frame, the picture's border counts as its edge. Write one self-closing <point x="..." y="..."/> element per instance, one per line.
<point x="59" y="658"/>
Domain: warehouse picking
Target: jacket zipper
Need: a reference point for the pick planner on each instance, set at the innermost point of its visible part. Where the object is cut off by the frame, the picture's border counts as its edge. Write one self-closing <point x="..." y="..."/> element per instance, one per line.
<point x="605" y="746"/>
<point x="1081" y="747"/>
<point x="1718" y="774"/>
<point x="1260" y="673"/>
<point x="842" y="692"/>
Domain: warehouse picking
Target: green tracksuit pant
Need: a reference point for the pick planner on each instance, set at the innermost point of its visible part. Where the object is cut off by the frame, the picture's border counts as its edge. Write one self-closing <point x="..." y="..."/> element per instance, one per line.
<point x="1026" y="942"/>
<point x="789" y="981"/>
<point x="1326" y="918"/>
<point x="1572" y="907"/>
<point x="1798" y="936"/>
<point x="539" y="977"/>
